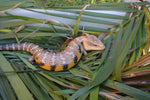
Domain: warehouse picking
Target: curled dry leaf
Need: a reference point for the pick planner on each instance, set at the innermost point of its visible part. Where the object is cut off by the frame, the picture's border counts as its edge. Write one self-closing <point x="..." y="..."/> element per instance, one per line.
<point x="19" y="28"/>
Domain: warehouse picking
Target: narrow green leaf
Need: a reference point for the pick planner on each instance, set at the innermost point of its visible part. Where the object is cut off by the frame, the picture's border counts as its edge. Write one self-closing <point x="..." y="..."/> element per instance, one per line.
<point x="64" y="92"/>
<point x="133" y="92"/>
<point x="79" y="93"/>
<point x="6" y="30"/>
<point x="79" y="73"/>
<point x="86" y="19"/>
<point x="76" y="27"/>
<point x="15" y="23"/>
<point x="7" y="4"/>
<point x="94" y="93"/>
<point x="76" y="80"/>
<point x="127" y="45"/>
<point x="84" y="67"/>
<point x="6" y="90"/>
<point x="37" y="34"/>
<point x="26" y="62"/>
<point x="94" y="14"/>
<point x="110" y="6"/>
<point x="127" y="32"/>
<point x="84" y="96"/>
<point x="50" y="87"/>
<point x="15" y="80"/>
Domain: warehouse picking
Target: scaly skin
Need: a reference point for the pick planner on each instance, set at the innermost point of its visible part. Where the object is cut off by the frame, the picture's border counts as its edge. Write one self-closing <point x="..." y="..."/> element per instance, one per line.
<point x="58" y="61"/>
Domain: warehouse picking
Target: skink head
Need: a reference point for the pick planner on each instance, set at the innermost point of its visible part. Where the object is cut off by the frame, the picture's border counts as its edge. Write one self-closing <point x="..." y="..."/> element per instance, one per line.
<point x="91" y="42"/>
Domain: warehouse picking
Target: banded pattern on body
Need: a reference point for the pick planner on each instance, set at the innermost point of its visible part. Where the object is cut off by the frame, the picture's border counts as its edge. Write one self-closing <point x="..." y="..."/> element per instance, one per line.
<point x="55" y="61"/>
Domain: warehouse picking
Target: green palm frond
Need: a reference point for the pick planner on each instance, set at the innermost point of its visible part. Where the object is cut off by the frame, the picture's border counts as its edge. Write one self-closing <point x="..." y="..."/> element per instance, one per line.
<point x="99" y="74"/>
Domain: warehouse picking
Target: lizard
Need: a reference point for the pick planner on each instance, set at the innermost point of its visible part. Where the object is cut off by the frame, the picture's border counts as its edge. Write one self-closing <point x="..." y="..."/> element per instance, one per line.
<point x="58" y="61"/>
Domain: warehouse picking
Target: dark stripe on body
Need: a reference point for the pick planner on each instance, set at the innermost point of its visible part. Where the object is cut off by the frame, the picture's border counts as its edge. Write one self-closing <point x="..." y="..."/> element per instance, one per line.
<point x="79" y="49"/>
<point x="9" y="46"/>
<point x="3" y="47"/>
<point x="75" y="59"/>
<point x="53" y="67"/>
<point x="65" y="66"/>
<point x="49" y="59"/>
<point x="40" y="64"/>
<point x="53" y="61"/>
